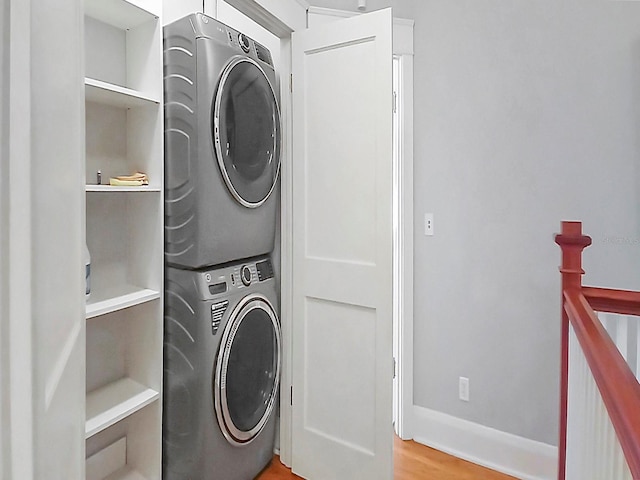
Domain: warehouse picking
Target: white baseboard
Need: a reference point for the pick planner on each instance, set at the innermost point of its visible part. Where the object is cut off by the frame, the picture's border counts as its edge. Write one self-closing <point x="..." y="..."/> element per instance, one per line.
<point x="517" y="456"/>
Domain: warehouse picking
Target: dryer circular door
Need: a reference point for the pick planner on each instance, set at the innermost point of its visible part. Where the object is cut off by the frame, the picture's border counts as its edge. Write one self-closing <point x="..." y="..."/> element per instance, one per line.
<point x="247" y="370"/>
<point x="246" y="131"/>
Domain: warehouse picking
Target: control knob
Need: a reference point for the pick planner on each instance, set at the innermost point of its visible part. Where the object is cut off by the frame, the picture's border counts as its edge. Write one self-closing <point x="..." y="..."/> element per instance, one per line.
<point x="245" y="274"/>
<point x="244" y="42"/>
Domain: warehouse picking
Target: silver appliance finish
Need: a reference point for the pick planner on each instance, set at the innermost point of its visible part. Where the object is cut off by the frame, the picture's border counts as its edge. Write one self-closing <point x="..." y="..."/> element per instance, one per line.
<point x="221" y="371"/>
<point x="222" y="144"/>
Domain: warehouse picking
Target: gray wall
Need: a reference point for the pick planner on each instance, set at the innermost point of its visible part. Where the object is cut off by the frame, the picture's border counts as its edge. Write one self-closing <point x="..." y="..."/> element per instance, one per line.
<point x="526" y="113"/>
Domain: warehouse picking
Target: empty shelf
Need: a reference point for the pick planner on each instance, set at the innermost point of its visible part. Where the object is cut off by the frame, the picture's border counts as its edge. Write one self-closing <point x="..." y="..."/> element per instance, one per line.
<point x="125" y="473"/>
<point x="118" y="298"/>
<point x="116" y="95"/>
<point x="115" y="401"/>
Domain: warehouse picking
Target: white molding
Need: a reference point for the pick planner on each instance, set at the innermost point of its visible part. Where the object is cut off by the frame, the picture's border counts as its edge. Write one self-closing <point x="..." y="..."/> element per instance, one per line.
<point x="504" y="452"/>
<point x="280" y="17"/>
<point x="402" y="36"/>
<point x="402" y="27"/>
<point x="4" y="127"/>
<point x="331" y="12"/>
<point x="286" y="253"/>
<point x="406" y="249"/>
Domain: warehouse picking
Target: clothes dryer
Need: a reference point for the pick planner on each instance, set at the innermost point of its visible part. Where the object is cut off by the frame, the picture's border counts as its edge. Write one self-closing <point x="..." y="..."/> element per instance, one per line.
<point x="222" y="144"/>
<point x="221" y="371"/>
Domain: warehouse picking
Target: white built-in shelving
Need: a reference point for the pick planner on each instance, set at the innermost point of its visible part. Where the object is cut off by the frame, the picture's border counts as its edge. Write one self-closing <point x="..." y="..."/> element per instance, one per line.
<point x="112" y="189"/>
<point x="124" y="134"/>
<point x="116" y="95"/>
<point x="125" y="474"/>
<point x="120" y="297"/>
<point x="115" y="401"/>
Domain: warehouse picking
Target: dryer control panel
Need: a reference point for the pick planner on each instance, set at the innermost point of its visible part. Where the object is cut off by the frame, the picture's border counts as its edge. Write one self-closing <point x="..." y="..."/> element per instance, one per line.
<point x="249" y="46"/>
<point x="265" y="270"/>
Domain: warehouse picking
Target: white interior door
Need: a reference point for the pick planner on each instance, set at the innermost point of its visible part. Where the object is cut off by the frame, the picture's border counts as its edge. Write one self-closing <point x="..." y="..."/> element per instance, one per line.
<point x="342" y="249"/>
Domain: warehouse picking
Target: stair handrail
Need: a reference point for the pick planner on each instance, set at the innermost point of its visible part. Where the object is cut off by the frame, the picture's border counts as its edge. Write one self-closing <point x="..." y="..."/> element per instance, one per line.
<point x="616" y="382"/>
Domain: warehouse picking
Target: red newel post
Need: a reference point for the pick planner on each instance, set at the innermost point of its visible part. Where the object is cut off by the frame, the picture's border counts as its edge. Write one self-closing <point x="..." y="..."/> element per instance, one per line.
<point x="572" y="242"/>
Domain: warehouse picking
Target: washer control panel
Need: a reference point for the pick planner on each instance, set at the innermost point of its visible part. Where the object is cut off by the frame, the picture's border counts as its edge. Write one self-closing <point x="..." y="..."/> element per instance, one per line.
<point x="227" y="279"/>
<point x="220" y="283"/>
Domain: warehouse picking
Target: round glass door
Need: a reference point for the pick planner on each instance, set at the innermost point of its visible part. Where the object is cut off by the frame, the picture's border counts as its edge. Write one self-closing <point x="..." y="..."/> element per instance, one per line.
<point x="247" y="370"/>
<point x="246" y="132"/>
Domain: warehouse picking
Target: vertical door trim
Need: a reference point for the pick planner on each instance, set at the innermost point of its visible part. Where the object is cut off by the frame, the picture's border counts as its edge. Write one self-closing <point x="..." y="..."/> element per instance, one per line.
<point x="16" y="272"/>
<point x="405" y="369"/>
<point x="286" y="248"/>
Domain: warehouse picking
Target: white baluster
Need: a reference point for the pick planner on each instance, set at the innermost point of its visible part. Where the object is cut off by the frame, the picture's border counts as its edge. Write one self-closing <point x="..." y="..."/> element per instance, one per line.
<point x="622" y="327"/>
<point x="593" y="449"/>
<point x="637" y="348"/>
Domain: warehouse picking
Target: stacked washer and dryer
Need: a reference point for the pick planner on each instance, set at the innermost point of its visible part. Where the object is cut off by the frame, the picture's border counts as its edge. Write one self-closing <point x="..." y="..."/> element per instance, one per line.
<point x="222" y="331"/>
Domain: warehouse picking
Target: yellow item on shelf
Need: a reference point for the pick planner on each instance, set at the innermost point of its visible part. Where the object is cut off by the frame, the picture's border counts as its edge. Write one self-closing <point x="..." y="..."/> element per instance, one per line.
<point x="135" y="180"/>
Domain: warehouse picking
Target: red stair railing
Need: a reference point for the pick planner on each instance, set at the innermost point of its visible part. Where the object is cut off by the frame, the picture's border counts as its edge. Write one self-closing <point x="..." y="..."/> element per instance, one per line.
<point x="616" y="383"/>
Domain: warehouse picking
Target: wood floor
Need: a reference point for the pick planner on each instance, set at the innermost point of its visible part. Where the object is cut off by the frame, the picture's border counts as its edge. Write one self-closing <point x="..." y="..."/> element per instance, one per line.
<point x="411" y="461"/>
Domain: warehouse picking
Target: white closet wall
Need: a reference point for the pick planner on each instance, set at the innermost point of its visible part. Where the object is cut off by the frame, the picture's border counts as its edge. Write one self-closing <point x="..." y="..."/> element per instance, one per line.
<point x="124" y="134"/>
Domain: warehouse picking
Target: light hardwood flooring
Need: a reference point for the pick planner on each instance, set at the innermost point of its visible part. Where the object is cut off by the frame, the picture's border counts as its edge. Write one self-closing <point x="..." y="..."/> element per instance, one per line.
<point x="411" y="461"/>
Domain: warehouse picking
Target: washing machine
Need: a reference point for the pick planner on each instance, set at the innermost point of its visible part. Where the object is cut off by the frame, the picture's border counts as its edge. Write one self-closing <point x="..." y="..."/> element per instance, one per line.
<point x="221" y="371"/>
<point x="222" y="144"/>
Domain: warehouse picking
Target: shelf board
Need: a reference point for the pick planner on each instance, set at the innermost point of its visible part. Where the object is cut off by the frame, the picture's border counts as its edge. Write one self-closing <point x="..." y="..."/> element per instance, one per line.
<point x="111" y="94"/>
<point x="126" y="473"/>
<point x="111" y="189"/>
<point x="115" y="401"/>
<point x="118" y="298"/>
<point x="110" y="459"/>
<point x="123" y="14"/>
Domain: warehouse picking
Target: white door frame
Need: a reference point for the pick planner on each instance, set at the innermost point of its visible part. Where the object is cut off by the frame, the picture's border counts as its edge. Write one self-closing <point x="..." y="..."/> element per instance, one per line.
<point x="281" y="17"/>
<point x="405" y="174"/>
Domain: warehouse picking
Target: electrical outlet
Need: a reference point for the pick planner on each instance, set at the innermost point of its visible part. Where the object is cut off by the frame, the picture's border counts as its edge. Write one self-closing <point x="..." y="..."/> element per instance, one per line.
<point x="428" y="224"/>
<point x="463" y="389"/>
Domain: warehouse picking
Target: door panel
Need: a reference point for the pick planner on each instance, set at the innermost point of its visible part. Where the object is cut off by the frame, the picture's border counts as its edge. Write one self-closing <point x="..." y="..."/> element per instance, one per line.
<point x="342" y="249"/>
<point x="332" y="368"/>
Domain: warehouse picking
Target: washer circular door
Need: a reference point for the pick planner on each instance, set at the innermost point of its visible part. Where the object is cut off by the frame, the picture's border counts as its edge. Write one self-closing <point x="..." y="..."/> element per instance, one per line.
<point x="246" y="131"/>
<point x="247" y="370"/>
